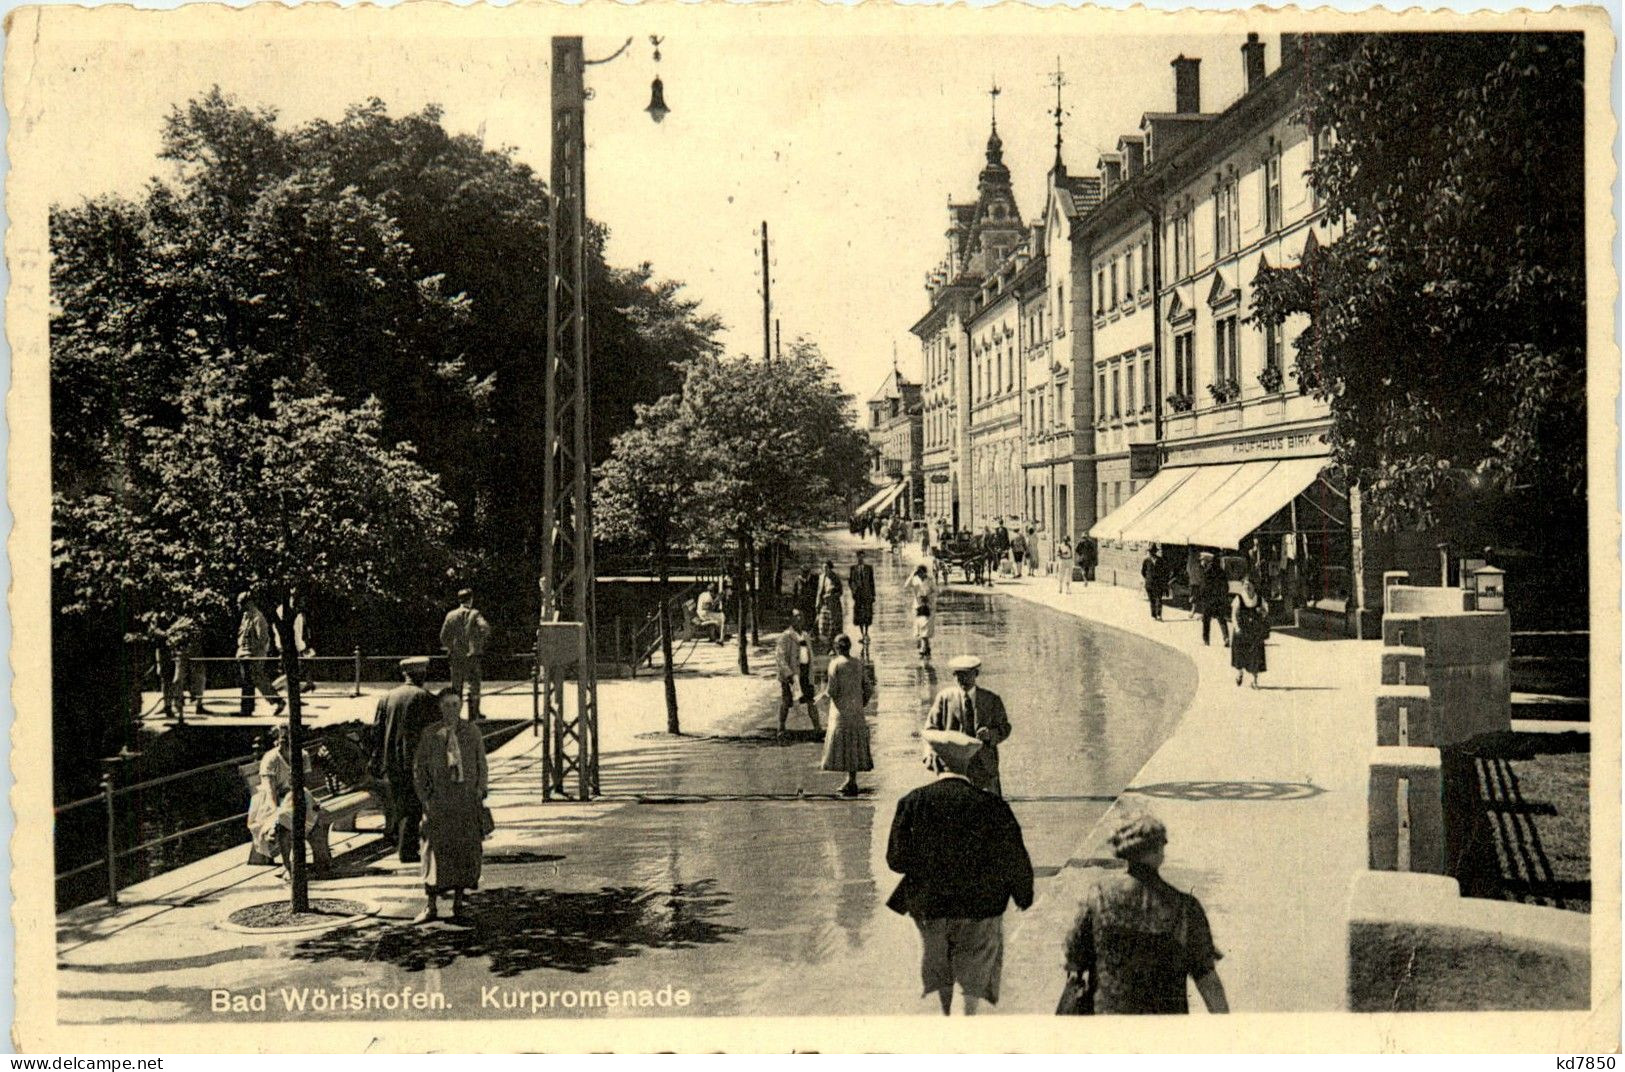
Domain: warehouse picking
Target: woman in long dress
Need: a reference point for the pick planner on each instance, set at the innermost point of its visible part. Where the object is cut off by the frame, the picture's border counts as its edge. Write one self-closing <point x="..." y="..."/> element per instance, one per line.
<point x="846" y="743"/>
<point x="270" y="813"/>
<point x="450" y="774"/>
<point x="830" y="617"/>
<point x="1252" y="628"/>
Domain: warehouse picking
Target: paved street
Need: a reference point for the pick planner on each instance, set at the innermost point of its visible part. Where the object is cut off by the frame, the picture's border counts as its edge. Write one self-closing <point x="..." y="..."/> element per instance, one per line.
<point x="724" y="863"/>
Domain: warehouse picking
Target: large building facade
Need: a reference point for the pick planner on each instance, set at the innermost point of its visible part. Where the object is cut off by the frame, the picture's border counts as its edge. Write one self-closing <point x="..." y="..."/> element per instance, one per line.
<point x="1096" y="374"/>
<point x="896" y="442"/>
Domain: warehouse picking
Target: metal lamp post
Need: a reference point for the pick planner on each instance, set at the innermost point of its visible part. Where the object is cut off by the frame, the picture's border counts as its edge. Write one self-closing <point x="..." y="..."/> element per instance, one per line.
<point x="570" y="742"/>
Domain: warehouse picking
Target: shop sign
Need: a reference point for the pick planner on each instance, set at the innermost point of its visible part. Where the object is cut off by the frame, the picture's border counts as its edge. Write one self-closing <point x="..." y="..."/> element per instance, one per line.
<point x="1144" y="459"/>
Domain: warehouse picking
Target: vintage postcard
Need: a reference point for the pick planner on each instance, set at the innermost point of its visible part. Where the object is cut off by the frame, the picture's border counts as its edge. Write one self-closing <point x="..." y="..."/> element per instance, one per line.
<point x="735" y="527"/>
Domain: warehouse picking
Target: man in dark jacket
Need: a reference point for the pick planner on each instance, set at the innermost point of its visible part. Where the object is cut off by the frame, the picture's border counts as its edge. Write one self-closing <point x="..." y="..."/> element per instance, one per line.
<point x="1154" y="571"/>
<point x="962" y="859"/>
<point x="1215" y="597"/>
<point x="404" y="712"/>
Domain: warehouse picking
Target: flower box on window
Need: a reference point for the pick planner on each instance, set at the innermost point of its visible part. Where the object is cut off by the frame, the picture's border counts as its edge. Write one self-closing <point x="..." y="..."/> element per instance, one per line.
<point x="1181" y="403"/>
<point x="1226" y="390"/>
<point x="1271" y="379"/>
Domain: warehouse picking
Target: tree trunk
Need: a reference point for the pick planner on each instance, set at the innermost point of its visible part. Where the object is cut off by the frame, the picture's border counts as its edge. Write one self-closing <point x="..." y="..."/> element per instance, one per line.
<point x="667" y="672"/>
<point x="739" y="594"/>
<point x="296" y="754"/>
<point x="753" y="579"/>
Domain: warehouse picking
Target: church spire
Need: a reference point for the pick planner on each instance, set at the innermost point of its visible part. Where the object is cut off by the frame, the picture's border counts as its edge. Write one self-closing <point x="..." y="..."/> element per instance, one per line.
<point x="995" y="145"/>
<point x="1058" y="81"/>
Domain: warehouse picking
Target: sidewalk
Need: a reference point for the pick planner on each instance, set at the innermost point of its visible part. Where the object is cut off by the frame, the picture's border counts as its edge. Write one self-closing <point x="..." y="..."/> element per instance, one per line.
<point x="1264" y="796"/>
<point x="166" y="941"/>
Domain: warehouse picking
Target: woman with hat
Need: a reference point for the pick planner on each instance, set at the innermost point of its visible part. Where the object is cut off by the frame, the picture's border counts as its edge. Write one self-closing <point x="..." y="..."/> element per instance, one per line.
<point x="1137" y="939"/>
<point x="846" y="743"/>
<point x="1252" y="629"/>
<point x="450" y="776"/>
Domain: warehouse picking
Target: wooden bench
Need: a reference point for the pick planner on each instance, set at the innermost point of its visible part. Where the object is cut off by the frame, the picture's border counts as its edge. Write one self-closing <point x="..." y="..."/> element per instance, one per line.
<point x="338" y="807"/>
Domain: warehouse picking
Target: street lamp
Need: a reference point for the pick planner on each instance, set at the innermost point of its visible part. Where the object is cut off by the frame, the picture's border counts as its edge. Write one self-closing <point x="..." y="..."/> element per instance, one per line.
<point x="657" y="89"/>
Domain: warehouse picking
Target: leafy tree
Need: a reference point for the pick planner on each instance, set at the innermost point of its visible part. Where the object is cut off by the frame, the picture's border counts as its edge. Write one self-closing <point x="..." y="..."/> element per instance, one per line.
<point x="381" y="254"/>
<point x="642" y="499"/>
<point x="1447" y="323"/>
<point x="303" y="499"/>
<point x="306" y="495"/>
<point x="778" y="452"/>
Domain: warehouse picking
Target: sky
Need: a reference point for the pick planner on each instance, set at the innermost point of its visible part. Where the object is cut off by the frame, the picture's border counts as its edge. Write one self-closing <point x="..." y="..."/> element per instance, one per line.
<point x="848" y="144"/>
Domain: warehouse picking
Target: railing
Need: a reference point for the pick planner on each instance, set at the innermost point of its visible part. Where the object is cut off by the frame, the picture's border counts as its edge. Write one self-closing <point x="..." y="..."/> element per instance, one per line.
<point x="172" y="696"/>
<point x="111" y="792"/>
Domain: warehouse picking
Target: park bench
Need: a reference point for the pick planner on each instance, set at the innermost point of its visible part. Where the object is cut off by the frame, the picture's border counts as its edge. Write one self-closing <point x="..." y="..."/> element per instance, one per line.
<point x="339" y="804"/>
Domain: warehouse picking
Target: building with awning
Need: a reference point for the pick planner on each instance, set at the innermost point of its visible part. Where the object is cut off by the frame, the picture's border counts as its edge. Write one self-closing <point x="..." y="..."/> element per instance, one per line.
<point x="1212" y="506"/>
<point x="883" y="501"/>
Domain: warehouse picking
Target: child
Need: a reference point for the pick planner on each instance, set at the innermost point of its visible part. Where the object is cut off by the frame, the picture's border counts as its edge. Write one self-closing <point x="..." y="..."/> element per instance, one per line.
<point x="922" y="629"/>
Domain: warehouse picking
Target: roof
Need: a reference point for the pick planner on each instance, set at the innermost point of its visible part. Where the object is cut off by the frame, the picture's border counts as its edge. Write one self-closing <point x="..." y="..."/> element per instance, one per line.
<point x="1079" y="193"/>
<point x="892" y="386"/>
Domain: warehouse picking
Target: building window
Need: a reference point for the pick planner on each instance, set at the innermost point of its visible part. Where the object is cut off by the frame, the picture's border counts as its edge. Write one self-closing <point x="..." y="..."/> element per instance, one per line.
<point x="1182" y="245"/>
<point x="1272" y="192"/>
<point x="1272" y="346"/>
<point x="1114" y="283"/>
<point x="1226" y="365"/>
<point x="1226" y="219"/>
<point x="1060" y="310"/>
<point x="1145" y="385"/>
<point x="1128" y="388"/>
<point x="1100" y="292"/>
<point x="1184" y="365"/>
<point x="1117" y="397"/>
<point x="1145" y="265"/>
<point x="1100" y="406"/>
<point x="1117" y="494"/>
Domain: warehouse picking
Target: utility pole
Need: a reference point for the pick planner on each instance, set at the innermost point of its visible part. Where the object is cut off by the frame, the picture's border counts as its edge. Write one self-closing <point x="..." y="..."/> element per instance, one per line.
<point x="571" y="746"/>
<point x="767" y="302"/>
<point x="778" y="339"/>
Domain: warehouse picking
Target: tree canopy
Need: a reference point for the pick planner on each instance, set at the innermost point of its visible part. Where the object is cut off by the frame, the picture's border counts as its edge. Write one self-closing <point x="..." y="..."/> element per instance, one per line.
<point x="375" y="257"/>
<point x="1447" y="323"/>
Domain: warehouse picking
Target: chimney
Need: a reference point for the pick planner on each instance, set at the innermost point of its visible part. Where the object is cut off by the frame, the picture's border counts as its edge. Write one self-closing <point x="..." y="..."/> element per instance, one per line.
<point x="1252" y="61"/>
<point x="1187" y="85"/>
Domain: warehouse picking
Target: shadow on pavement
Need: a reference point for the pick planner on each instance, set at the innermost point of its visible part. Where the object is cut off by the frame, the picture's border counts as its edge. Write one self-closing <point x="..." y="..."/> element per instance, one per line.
<point x="520" y="929"/>
<point x="1229" y="791"/>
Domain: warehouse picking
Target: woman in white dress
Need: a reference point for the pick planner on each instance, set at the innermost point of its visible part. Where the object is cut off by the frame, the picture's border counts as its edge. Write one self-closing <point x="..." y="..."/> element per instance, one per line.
<point x="922" y="592"/>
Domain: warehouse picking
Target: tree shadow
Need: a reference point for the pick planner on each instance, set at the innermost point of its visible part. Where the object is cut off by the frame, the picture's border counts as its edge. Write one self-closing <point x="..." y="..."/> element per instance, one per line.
<point x="520" y="929"/>
<point x="1496" y="837"/>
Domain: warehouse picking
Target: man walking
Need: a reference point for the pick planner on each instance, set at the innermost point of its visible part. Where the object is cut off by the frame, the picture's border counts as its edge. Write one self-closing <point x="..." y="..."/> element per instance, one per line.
<point x="804" y="595"/>
<point x="978" y="713"/>
<point x="403" y="714"/>
<point x="463" y="636"/>
<point x="962" y="859"/>
<point x="253" y="646"/>
<point x="1088" y="558"/>
<point x="1155" y="574"/>
<point x="1215" y="597"/>
<point x="860" y="579"/>
<point x="792" y="657"/>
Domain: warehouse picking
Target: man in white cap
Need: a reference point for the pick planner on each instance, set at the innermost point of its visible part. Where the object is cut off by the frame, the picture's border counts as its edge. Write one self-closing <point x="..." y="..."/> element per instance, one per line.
<point x="463" y="636"/>
<point x="403" y="714"/>
<point x="976" y="712"/>
<point x="962" y="859"/>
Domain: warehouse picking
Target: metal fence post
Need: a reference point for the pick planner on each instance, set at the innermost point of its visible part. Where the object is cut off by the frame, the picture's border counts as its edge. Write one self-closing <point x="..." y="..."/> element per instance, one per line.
<point x="163" y="690"/>
<point x="112" y="837"/>
<point x="357" y="691"/>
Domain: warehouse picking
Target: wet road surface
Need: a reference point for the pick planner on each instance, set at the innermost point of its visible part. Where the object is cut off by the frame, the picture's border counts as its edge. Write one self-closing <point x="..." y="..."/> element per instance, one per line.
<point x="727" y="867"/>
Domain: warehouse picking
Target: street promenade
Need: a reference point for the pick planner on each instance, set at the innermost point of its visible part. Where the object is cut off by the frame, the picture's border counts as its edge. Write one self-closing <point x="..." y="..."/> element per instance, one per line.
<point x="1264" y="795"/>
